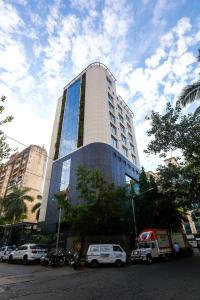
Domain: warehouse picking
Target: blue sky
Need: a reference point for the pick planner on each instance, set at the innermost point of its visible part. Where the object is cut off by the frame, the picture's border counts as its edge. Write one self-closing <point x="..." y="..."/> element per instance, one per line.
<point x="149" y="45"/>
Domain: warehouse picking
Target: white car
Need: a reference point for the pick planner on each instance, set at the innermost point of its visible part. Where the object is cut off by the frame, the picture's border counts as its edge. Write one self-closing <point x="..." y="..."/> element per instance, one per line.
<point x="105" y="254"/>
<point x="27" y="253"/>
<point x="5" y="252"/>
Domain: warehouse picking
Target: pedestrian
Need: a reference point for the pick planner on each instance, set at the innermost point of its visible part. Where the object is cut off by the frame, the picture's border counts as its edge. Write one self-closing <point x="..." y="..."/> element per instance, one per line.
<point x="176" y="247"/>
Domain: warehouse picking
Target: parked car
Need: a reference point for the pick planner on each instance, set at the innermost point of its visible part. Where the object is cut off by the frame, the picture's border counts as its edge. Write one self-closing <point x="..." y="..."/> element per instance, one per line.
<point x="5" y="252"/>
<point x="27" y="253"/>
<point x="105" y="254"/>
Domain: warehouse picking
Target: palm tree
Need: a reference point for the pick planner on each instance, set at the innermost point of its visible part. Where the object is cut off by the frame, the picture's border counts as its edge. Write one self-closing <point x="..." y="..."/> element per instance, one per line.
<point x="191" y="92"/>
<point x="14" y="204"/>
<point x="36" y="208"/>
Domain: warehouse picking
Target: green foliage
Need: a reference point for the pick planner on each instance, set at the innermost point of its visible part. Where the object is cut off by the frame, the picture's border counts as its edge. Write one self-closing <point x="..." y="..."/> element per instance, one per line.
<point x="158" y="204"/>
<point x="14" y="204"/>
<point x="36" y="207"/>
<point x="4" y="147"/>
<point x="173" y="131"/>
<point x="102" y="209"/>
<point x="191" y="92"/>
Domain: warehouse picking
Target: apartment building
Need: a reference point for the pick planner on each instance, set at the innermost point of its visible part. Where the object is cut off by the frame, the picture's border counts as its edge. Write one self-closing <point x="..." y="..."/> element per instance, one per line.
<point x="93" y="127"/>
<point x="25" y="169"/>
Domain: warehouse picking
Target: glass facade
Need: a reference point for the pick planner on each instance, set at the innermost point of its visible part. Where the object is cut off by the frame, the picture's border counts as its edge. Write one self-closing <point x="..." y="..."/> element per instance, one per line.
<point x="65" y="175"/>
<point x="68" y="142"/>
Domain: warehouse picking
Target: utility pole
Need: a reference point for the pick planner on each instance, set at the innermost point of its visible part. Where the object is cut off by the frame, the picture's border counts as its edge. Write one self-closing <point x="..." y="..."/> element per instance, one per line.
<point x="132" y="192"/>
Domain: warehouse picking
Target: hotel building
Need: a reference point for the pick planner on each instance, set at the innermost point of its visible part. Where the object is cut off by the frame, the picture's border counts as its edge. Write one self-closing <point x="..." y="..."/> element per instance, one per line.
<point x="93" y="127"/>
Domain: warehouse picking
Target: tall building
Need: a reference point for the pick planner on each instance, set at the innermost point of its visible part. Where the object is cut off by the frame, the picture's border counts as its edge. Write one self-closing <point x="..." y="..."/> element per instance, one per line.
<point x="93" y="127"/>
<point x="25" y="169"/>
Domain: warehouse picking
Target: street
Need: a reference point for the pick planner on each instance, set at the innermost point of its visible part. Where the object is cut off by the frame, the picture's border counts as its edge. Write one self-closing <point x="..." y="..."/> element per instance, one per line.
<point x="177" y="279"/>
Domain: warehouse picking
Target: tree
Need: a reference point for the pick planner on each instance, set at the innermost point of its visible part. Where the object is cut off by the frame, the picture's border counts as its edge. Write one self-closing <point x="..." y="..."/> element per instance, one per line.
<point x="158" y="204"/>
<point x="102" y="208"/>
<point x="14" y="204"/>
<point x="191" y="93"/>
<point x="172" y="131"/>
<point x="4" y="147"/>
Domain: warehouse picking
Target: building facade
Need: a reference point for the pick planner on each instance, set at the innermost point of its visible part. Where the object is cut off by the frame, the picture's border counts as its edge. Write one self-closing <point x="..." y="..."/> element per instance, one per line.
<point x="93" y="127"/>
<point x="25" y="169"/>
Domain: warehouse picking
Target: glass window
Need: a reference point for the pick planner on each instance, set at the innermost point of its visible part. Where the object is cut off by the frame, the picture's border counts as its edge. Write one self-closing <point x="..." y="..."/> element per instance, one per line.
<point x="121" y="118"/>
<point x="65" y="175"/>
<point x="127" y="118"/>
<point x="94" y="249"/>
<point x="130" y="137"/>
<point x="114" y="141"/>
<point x="123" y="139"/>
<point x="112" y="109"/>
<point x="108" y="79"/>
<point x="133" y="158"/>
<point x="105" y="249"/>
<point x="112" y="117"/>
<point x="124" y="150"/>
<point x="122" y="128"/>
<point x="68" y="141"/>
<point x="132" y="148"/>
<point x="117" y="248"/>
<point x="110" y="98"/>
<point x="120" y="109"/>
<point x="113" y="129"/>
<point x="129" y="127"/>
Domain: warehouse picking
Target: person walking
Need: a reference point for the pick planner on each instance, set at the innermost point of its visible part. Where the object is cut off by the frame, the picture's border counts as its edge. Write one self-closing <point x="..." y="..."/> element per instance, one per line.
<point x="176" y="247"/>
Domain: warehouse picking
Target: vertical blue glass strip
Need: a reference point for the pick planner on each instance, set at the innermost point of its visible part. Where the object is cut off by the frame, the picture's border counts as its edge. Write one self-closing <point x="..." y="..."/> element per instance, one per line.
<point x="69" y="134"/>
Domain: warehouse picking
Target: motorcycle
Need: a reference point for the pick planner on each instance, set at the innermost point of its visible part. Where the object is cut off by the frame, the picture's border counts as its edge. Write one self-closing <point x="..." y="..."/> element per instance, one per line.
<point x="74" y="262"/>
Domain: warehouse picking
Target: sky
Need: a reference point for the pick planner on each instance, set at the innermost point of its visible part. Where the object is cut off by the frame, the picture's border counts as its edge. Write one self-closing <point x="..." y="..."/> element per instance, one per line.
<point x="150" y="46"/>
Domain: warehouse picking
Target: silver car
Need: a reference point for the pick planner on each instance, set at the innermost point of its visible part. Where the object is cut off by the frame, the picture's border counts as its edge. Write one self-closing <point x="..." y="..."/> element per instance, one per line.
<point x="5" y="252"/>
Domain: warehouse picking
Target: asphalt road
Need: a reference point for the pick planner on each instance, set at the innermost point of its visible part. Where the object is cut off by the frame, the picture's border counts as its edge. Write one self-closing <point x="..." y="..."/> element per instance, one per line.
<point x="178" y="279"/>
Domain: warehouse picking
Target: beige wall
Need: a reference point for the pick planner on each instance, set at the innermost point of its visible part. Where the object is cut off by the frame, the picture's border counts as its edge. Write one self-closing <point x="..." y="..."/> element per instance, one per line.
<point x="50" y="161"/>
<point x="34" y="177"/>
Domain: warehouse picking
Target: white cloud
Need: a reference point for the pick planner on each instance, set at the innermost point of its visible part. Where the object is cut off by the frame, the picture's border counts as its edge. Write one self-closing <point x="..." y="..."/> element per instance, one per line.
<point x="10" y="21"/>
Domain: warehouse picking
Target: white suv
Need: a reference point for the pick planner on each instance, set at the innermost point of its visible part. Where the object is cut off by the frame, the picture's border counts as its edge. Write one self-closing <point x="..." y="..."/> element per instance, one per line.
<point x="106" y="254"/>
<point x="5" y="252"/>
<point x="27" y="253"/>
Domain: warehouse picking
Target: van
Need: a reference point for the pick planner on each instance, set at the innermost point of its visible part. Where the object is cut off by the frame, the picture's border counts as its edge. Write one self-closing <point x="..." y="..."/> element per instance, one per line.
<point x="105" y="254"/>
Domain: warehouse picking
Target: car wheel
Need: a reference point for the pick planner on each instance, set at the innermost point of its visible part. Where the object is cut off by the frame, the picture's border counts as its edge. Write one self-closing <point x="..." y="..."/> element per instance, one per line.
<point x="118" y="263"/>
<point x="10" y="259"/>
<point x="94" y="263"/>
<point x="149" y="260"/>
<point x="25" y="260"/>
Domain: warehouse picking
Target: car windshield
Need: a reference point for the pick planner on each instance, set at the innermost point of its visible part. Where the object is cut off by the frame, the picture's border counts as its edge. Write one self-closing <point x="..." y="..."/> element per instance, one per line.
<point x="144" y="245"/>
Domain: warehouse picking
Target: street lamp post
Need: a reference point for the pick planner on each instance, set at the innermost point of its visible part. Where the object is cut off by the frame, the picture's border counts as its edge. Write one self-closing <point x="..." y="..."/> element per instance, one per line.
<point x="58" y="231"/>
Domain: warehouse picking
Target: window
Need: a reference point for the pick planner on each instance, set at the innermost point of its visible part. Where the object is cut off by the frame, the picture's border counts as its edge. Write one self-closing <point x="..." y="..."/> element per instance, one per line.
<point x="113" y="129"/>
<point x="69" y="133"/>
<point x="94" y="249"/>
<point x="108" y="79"/>
<point x="122" y="128"/>
<point x="123" y="139"/>
<point x="114" y="141"/>
<point x="121" y="118"/>
<point x="112" y="117"/>
<point x="133" y="158"/>
<point x="125" y="151"/>
<point x="105" y="249"/>
<point x="111" y="107"/>
<point x="129" y="127"/>
<point x="65" y="175"/>
<point x="130" y="137"/>
<point x="127" y="118"/>
<point x="120" y="109"/>
<point x="117" y="248"/>
<point x="110" y="98"/>
<point x="132" y="147"/>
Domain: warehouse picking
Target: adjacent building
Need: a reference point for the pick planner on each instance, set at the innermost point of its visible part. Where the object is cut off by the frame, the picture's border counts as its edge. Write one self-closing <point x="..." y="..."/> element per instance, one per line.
<point x="25" y="169"/>
<point x="93" y="127"/>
